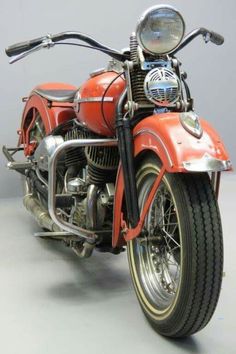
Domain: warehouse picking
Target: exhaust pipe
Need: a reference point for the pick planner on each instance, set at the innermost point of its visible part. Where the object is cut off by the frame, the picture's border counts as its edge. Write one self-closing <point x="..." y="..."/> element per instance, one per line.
<point x="40" y="214"/>
<point x="44" y="220"/>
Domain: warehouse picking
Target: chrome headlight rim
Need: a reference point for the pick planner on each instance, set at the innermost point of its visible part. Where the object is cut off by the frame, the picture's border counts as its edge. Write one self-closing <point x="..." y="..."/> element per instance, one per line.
<point x="138" y="31"/>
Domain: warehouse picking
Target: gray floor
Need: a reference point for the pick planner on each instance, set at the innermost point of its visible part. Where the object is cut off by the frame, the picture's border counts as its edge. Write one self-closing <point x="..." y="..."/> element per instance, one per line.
<point x="53" y="302"/>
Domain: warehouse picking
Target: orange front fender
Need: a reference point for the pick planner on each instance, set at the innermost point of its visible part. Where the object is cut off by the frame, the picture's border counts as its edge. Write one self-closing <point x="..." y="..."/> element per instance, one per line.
<point x="164" y="135"/>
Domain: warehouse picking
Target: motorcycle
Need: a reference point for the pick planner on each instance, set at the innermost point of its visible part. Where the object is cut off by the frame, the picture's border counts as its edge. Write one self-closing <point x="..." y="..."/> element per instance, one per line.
<point x="124" y="163"/>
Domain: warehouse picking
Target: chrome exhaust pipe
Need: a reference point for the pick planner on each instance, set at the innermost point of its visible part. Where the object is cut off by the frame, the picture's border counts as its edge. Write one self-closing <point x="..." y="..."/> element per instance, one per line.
<point x="44" y="220"/>
<point x="40" y="214"/>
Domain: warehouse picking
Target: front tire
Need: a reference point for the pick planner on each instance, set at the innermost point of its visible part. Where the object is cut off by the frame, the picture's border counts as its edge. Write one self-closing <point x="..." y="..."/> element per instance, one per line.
<point x="176" y="267"/>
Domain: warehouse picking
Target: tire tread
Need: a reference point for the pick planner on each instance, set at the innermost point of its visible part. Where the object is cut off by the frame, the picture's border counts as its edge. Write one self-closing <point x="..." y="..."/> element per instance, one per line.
<point x="208" y="250"/>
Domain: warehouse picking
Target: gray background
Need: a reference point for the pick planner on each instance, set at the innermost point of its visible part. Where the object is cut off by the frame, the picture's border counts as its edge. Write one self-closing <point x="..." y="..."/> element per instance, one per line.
<point x="50" y="301"/>
<point x="211" y="69"/>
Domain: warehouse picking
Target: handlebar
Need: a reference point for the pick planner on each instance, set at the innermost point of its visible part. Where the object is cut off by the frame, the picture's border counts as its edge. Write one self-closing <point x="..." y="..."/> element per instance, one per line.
<point x="49" y="40"/>
<point x="20" y="50"/>
<point x="207" y="35"/>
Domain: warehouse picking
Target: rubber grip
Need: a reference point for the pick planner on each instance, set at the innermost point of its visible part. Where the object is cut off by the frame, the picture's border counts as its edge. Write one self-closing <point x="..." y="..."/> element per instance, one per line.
<point x="216" y="38"/>
<point x="21" y="47"/>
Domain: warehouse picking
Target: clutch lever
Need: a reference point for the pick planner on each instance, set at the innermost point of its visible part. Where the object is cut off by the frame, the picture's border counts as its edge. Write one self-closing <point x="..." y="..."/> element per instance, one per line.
<point x="46" y="43"/>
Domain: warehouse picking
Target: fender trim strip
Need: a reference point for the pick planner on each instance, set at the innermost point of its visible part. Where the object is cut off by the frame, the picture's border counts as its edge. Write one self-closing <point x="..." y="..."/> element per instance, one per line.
<point x="143" y="131"/>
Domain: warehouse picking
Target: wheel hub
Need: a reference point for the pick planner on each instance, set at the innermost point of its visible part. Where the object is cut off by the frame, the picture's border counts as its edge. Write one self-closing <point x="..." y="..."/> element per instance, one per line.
<point x="158" y="234"/>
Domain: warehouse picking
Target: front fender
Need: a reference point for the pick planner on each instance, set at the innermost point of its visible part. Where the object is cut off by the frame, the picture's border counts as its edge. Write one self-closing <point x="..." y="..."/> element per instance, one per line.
<point x="179" y="151"/>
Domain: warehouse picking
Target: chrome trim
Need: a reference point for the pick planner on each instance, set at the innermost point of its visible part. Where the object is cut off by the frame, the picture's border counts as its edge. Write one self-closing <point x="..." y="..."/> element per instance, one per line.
<point x="52" y="165"/>
<point x="94" y="99"/>
<point x="140" y="132"/>
<point x="97" y="72"/>
<point x="207" y="164"/>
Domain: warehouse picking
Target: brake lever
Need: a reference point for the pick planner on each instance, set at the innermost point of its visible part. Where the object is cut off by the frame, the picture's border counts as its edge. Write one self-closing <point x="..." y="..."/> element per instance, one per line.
<point x="213" y="37"/>
<point x="206" y="37"/>
<point x="46" y="43"/>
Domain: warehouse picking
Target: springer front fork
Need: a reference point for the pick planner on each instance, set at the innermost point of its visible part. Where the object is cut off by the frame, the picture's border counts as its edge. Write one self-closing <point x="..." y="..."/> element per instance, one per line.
<point x="126" y="149"/>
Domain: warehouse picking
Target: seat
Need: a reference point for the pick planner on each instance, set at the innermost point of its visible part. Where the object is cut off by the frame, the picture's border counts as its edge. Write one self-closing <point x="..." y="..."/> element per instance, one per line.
<point x="57" y="95"/>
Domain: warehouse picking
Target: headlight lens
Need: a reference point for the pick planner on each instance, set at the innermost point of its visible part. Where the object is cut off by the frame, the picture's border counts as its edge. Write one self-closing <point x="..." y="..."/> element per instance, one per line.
<point x="160" y="29"/>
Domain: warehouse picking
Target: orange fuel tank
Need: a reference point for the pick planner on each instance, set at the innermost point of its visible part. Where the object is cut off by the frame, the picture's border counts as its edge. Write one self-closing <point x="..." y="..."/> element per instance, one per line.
<point x="95" y="102"/>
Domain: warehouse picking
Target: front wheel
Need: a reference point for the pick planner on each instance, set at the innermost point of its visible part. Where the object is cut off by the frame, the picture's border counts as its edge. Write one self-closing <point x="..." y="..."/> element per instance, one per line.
<point x="176" y="267"/>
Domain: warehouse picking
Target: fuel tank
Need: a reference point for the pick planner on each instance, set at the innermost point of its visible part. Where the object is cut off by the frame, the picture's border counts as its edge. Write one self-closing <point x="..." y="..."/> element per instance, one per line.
<point x="95" y="101"/>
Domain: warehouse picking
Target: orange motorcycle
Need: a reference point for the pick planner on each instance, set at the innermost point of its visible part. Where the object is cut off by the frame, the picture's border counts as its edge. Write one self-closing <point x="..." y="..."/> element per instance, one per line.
<point x="124" y="162"/>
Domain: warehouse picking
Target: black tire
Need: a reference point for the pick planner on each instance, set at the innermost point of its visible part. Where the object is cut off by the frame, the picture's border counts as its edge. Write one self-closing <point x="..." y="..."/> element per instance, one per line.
<point x="192" y="297"/>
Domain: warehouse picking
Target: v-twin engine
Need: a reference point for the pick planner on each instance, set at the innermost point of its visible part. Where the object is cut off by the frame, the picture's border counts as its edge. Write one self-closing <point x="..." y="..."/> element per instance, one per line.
<point x="101" y="161"/>
<point x="84" y="173"/>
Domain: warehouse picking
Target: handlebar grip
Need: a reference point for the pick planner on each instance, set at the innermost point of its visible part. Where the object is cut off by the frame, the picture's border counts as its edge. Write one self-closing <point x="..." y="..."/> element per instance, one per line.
<point x="216" y="38"/>
<point x="21" y="47"/>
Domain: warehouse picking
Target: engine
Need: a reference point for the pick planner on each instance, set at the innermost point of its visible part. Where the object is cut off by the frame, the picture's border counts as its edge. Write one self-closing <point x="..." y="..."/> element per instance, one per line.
<point x="90" y="178"/>
<point x="102" y="162"/>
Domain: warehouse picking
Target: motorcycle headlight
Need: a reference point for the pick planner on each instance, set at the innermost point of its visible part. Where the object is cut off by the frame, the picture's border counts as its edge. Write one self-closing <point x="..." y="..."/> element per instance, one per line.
<point x="160" y="29"/>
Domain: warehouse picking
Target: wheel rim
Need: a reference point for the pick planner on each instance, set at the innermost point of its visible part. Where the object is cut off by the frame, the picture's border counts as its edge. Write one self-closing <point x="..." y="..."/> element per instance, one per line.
<point x="157" y="255"/>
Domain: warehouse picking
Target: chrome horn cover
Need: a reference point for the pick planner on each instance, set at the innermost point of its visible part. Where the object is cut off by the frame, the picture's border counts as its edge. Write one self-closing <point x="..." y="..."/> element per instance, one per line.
<point x="162" y="87"/>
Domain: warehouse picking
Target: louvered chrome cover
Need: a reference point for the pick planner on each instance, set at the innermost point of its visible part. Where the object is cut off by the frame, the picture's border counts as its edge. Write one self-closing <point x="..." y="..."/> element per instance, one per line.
<point x="162" y="87"/>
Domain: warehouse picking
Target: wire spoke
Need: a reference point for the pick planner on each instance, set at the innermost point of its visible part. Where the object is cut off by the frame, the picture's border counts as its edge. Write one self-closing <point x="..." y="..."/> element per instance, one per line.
<point x="168" y="235"/>
<point x="160" y="249"/>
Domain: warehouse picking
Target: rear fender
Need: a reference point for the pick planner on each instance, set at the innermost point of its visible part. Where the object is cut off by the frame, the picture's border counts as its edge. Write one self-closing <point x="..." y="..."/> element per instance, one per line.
<point x="51" y="113"/>
<point x="179" y="151"/>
